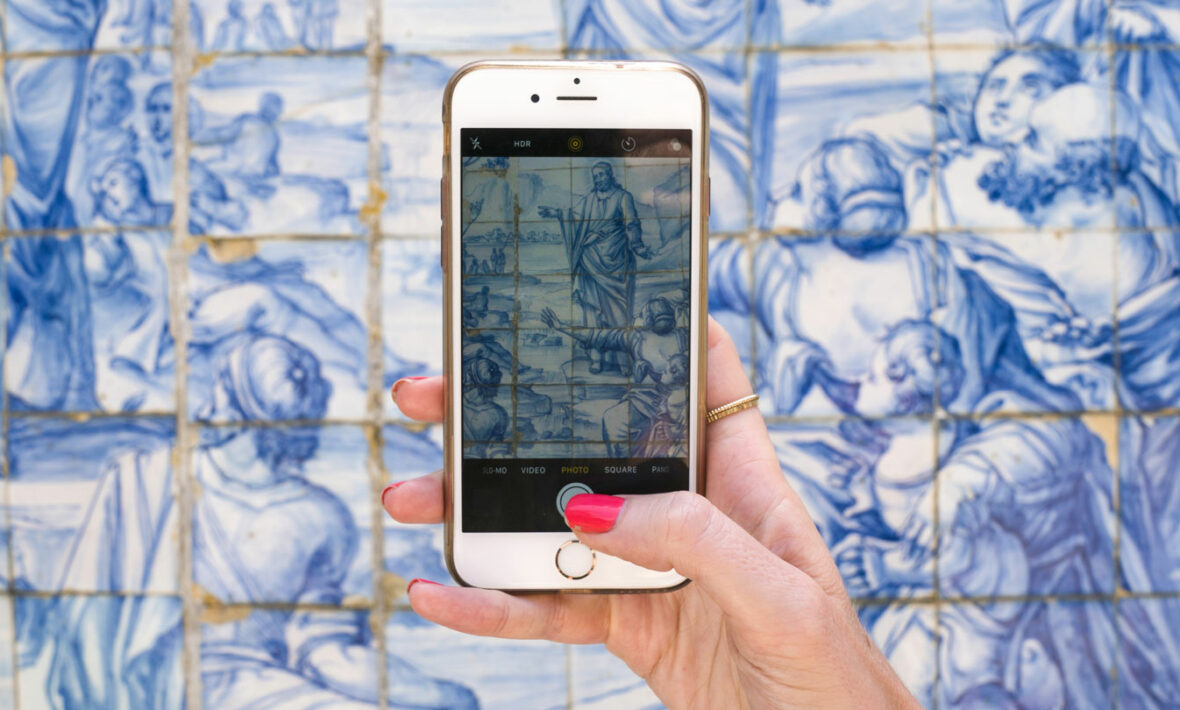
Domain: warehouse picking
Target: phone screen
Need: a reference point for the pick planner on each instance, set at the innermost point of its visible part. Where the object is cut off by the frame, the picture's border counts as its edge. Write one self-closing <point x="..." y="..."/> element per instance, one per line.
<point x="576" y="307"/>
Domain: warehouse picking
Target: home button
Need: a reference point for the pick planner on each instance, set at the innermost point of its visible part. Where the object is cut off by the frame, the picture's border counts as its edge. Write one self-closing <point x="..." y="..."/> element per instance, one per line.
<point x="574" y="560"/>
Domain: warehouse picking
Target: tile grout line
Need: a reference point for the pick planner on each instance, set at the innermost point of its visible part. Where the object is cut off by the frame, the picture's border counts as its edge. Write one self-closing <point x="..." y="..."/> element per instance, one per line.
<point x="935" y="424"/>
<point x="1115" y="457"/>
<point x="182" y="455"/>
<point x="380" y="605"/>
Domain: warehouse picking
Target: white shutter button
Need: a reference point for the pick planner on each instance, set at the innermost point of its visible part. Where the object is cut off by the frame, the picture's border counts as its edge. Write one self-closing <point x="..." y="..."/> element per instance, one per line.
<point x="574" y="560"/>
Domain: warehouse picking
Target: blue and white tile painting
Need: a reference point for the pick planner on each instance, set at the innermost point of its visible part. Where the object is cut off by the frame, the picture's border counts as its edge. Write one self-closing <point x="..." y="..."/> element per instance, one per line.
<point x="947" y="246"/>
<point x="474" y="671"/>
<point x="603" y="682"/>
<point x="1038" y="654"/>
<point x="119" y="161"/>
<point x="293" y="658"/>
<point x="411" y="315"/>
<point x="88" y="328"/>
<point x="1026" y="507"/>
<point x="907" y="634"/>
<point x="122" y="652"/>
<point x="226" y="26"/>
<point x="411" y="26"/>
<point x="869" y="487"/>
<point x="293" y="305"/>
<point x="279" y="145"/>
<point x="283" y="515"/>
<point x="1148" y="658"/>
<point x="413" y="551"/>
<point x="92" y="505"/>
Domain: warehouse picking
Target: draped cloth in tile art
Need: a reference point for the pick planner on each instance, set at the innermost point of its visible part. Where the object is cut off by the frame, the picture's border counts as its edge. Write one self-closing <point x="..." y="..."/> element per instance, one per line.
<point x="944" y="236"/>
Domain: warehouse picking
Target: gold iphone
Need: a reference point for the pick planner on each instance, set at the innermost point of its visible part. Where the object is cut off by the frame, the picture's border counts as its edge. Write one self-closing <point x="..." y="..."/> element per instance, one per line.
<point x="575" y="204"/>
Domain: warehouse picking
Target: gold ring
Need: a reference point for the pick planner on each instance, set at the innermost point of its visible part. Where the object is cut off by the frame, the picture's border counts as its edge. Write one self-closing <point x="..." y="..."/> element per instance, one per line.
<point x="733" y="407"/>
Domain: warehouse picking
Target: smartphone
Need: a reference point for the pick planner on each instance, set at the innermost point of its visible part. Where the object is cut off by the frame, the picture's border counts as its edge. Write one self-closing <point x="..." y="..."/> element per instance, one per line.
<point x="574" y="209"/>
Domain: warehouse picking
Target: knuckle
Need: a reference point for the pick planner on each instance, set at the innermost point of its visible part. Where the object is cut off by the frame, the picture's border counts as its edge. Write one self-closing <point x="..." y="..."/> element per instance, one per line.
<point x="689" y="518"/>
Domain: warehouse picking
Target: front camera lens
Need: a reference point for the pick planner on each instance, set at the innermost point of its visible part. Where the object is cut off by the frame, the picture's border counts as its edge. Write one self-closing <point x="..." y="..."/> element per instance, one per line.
<point x="536" y="98"/>
<point x="577" y="80"/>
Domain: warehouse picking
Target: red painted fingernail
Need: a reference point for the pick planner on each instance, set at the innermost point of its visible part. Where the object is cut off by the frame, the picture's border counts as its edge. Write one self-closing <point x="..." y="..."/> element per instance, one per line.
<point x="593" y="512"/>
<point x="402" y="381"/>
<point x="385" y="492"/>
<point x="419" y="579"/>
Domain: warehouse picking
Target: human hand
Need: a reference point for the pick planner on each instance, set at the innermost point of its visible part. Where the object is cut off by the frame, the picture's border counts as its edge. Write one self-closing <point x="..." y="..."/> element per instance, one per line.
<point x="766" y="621"/>
<point x="549" y="318"/>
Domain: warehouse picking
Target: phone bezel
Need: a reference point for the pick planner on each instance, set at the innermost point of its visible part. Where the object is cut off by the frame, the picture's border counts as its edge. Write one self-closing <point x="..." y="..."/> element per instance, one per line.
<point x="497" y="94"/>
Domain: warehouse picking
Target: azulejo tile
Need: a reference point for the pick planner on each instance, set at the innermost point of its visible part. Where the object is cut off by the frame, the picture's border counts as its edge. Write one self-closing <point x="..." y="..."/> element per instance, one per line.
<point x="7" y="662"/>
<point x="601" y="681"/>
<point x="297" y="306"/>
<point x="411" y="315"/>
<point x="862" y="22"/>
<point x="283" y="515"/>
<point x="279" y="145"/>
<point x="1149" y="504"/>
<point x="818" y="362"/>
<point x="1148" y="348"/>
<point x="99" y="302"/>
<point x="271" y="26"/>
<point x="32" y="26"/>
<point x="868" y="486"/>
<point x="1061" y="290"/>
<point x="907" y="635"/>
<point x="92" y="505"/>
<point x="413" y="551"/>
<point x="957" y="23"/>
<point x="1034" y="654"/>
<point x="73" y="650"/>
<point x="107" y="147"/>
<point x="1026" y="507"/>
<point x="1023" y="142"/>
<point x="411" y="141"/>
<point x="868" y="127"/>
<point x="474" y="671"/>
<point x="1146" y="131"/>
<point x="1148" y="667"/>
<point x="289" y="658"/>
<point x="89" y="137"/>
<point x="615" y="25"/>
<point x="503" y="25"/>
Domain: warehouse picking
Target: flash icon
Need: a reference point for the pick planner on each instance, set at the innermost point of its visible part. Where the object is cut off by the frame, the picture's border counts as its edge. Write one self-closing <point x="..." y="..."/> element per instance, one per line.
<point x="475" y="144"/>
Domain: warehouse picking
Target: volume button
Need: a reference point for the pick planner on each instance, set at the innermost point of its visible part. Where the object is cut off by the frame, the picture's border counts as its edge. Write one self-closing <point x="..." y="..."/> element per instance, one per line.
<point x="708" y="196"/>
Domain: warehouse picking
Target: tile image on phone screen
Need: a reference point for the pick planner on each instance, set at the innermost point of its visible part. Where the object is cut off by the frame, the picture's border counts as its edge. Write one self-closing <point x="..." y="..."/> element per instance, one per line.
<point x="576" y="262"/>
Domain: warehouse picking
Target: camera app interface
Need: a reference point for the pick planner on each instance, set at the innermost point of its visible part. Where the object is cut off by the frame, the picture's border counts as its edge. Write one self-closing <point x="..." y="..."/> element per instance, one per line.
<point x="575" y="316"/>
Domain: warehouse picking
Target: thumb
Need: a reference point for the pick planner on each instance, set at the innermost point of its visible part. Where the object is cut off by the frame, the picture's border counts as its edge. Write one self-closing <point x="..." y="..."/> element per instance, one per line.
<point x="685" y="532"/>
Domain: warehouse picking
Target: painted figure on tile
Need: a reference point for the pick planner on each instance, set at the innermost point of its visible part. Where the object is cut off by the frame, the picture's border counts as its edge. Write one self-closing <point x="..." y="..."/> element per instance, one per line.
<point x="106" y="133"/>
<point x="210" y="203"/>
<point x="653" y="358"/>
<point x="741" y="89"/>
<point x="1146" y="76"/>
<point x="155" y="150"/>
<point x="256" y="296"/>
<point x="315" y="20"/>
<point x="250" y="142"/>
<point x="250" y="480"/>
<point x="849" y="188"/>
<point x="270" y="30"/>
<point x="127" y="286"/>
<point x="230" y="35"/>
<point x="603" y="241"/>
<point x="488" y="207"/>
<point x="122" y="196"/>
<point x="485" y="423"/>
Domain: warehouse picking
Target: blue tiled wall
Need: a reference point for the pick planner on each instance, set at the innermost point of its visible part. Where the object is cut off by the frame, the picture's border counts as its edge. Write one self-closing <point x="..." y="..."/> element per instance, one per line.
<point x="945" y="236"/>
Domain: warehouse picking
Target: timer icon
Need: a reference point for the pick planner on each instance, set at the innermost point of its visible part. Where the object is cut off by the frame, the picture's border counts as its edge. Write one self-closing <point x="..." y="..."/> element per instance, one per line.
<point x="627" y="144"/>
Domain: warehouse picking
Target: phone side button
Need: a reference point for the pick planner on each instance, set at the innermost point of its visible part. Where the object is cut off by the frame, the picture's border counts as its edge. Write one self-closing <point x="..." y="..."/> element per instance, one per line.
<point x="574" y="560"/>
<point x="708" y="196"/>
